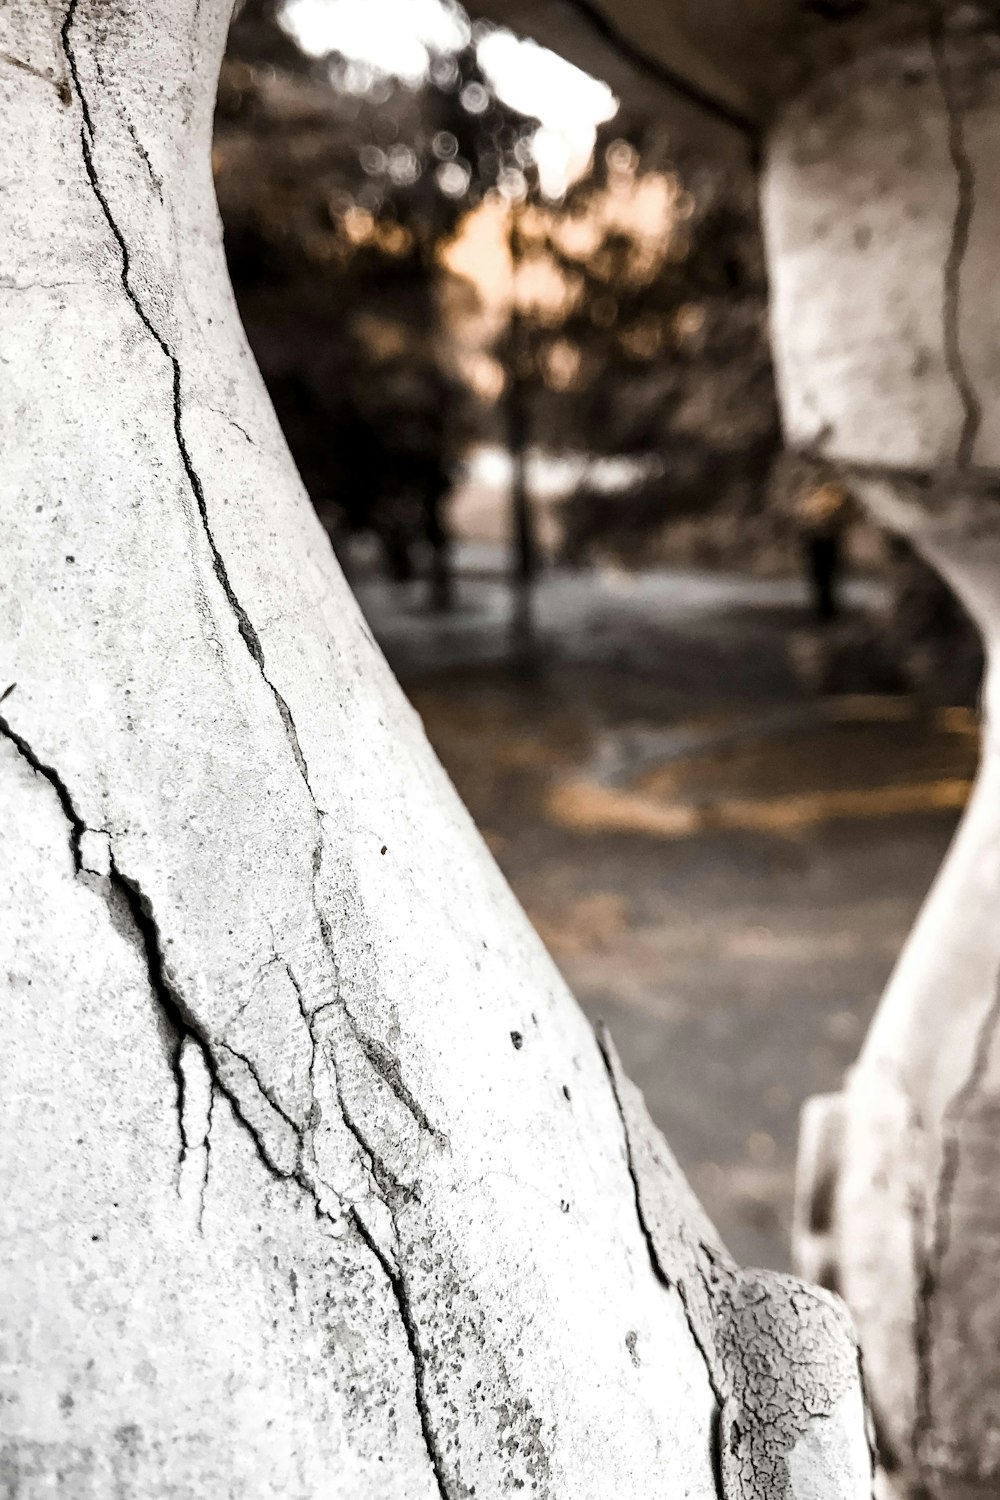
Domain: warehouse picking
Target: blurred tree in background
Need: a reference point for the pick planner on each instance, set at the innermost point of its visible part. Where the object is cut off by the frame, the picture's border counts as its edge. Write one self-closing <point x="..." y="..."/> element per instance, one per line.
<point x="337" y="194"/>
<point x="620" y="320"/>
<point x="656" y="355"/>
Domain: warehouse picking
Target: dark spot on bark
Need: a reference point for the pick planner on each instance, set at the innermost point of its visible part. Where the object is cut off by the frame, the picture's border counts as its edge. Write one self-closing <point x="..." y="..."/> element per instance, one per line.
<point x="517" y="1039"/>
<point x="566" y="1092"/>
<point x="630" y="1343"/>
<point x="129" y="1438"/>
<point x="383" y="848"/>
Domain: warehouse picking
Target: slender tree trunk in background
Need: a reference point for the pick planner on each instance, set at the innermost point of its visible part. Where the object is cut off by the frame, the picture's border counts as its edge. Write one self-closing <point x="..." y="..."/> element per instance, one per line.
<point x="524" y="546"/>
<point x="525" y="555"/>
<point x="442" y="573"/>
<point x="315" y="1181"/>
<point x="882" y="207"/>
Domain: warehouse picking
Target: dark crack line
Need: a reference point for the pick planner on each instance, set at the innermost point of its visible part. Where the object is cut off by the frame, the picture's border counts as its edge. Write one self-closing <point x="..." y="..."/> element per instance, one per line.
<point x="208" y="1157"/>
<point x="387" y="1066"/>
<point x="184" y="1025"/>
<point x="393" y="1273"/>
<point x="77" y="826"/>
<point x="384" y="1183"/>
<point x="966" y="185"/>
<point x="249" y="635"/>
<point x="398" y="1287"/>
<point x="266" y="1094"/>
<point x="934" y="1255"/>
<point x="179" y="1015"/>
<point x="709" y="1356"/>
<point x="154" y="176"/>
<point x="232" y="423"/>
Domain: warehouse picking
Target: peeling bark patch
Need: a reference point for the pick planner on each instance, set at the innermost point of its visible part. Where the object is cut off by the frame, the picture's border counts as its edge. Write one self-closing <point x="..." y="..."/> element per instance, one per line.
<point x="931" y="1256"/>
<point x="778" y="1354"/>
<point x="965" y="202"/>
<point x="246" y="629"/>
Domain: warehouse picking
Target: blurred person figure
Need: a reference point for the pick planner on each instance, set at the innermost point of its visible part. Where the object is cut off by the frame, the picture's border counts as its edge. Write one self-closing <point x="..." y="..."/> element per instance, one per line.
<point x="820" y="512"/>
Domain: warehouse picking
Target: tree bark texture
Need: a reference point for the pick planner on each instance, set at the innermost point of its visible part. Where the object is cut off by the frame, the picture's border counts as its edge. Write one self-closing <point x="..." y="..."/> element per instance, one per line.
<point x="882" y="206"/>
<point x="316" y="1182"/>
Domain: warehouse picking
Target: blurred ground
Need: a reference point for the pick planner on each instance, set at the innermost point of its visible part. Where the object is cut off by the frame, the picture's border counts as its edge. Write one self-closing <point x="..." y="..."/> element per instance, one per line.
<point x="723" y="865"/>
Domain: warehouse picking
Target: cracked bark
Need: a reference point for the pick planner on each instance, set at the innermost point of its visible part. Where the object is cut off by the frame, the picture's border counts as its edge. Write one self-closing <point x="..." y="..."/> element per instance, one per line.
<point x="182" y="1027"/>
<point x="249" y="635"/>
<point x="372" y="1258"/>
<point x="768" y="1388"/>
<point x="933" y="1252"/>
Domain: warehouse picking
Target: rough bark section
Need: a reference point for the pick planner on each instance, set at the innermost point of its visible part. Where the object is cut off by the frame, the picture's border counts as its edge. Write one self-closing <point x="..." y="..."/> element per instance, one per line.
<point x="182" y="1027"/>
<point x="247" y="631"/>
<point x="936" y="1238"/>
<point x="779" y="1355"/>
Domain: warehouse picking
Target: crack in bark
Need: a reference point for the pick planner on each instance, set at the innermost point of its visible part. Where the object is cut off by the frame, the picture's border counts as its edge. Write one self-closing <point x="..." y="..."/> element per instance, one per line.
<point x="8" y="284"/>
<point x="246" y="629"/>
<point x="184" y="1025"/>
<point x="266" y="1094"/>
<point x="933" y="1255"/>
<point x="154" y="176"/>
<point x="778" y="1355"/>
<point x="397" y="1285"/>
<point x="77" y="826"/>
<point x="59" y="84"/>
<point x="207" y="1143"/>
<point x="171" y="1003"/>
<point x="387" y="1066"/>
<point x="708" y="1356"/>
<point x="966" y="188"/>
<point x="232" y="423"/>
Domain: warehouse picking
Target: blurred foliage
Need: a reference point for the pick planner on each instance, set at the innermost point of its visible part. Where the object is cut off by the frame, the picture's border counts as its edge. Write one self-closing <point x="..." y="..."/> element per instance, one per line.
<point x="657" y="351"/>
<point x="335" y="206"/>
<point x="636" y="329"/>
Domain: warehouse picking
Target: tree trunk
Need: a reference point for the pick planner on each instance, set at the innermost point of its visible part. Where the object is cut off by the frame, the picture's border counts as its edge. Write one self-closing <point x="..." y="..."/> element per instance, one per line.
<point x="524" y="558"/>
<point x="316" y="1183"/>
<point x="882" y="204"/>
